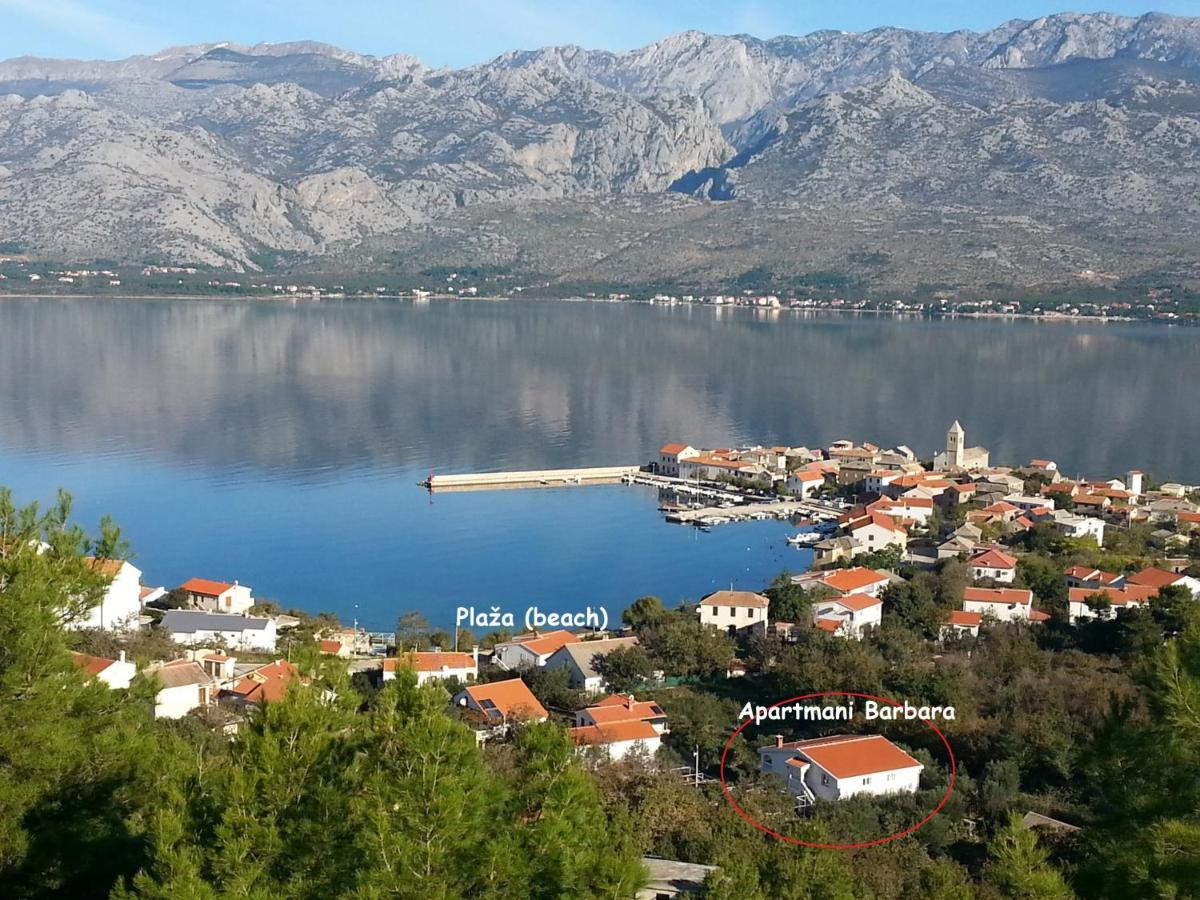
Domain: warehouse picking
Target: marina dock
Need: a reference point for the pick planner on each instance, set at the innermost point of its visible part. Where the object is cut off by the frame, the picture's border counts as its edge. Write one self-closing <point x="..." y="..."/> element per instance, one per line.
<point x="531" y="478"/>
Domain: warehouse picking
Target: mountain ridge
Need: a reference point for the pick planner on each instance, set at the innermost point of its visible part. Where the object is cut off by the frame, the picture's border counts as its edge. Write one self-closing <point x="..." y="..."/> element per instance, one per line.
<point x="1080" y="127"/>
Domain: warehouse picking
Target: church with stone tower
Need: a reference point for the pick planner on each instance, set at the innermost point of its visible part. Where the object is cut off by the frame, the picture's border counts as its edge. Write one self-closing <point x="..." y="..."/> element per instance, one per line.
<point x="957" y="454"/>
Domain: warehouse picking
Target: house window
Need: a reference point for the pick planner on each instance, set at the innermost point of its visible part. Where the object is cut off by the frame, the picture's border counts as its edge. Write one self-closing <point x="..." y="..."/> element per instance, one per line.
<point x="866" y="779"/>
<point x="824" y="778"/>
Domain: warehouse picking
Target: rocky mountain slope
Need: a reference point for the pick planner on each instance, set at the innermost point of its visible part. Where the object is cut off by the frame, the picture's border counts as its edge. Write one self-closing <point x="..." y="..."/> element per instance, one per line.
<point x="1034" y="151"/>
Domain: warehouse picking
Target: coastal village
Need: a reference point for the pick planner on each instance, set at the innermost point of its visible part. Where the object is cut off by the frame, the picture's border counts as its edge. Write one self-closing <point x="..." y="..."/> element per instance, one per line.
<point x="866" y="514"/>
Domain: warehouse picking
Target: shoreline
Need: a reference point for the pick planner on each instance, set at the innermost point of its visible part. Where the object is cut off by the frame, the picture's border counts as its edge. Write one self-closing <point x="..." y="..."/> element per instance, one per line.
<point x="736" y="307"/>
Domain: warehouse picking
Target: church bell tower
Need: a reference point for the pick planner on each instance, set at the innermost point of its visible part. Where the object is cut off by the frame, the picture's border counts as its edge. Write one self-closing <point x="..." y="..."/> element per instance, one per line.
<point x="956" y="440"/>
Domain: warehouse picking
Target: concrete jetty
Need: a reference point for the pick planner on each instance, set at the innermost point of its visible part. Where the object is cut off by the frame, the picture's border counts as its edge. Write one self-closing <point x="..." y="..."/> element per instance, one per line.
<point x="530" y="478"/>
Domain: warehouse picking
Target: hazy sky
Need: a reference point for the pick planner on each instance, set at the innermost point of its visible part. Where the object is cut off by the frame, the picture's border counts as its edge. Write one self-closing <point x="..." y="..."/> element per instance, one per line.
<point x="458" y="32"/>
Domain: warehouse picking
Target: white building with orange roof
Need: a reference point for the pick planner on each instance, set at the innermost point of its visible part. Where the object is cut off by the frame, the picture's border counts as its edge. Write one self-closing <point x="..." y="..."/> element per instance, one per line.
<point x="858" y="579"/>
<point x="803" y="483"/>
<point x="960" y="622"/>
<point x="714" y="465"/>
<point x="116" y="673"/>
<point x="838" y="767"/>
<point x="530" y="649"/>
<point x="910" y="506"/>
<point x="1076" y="526"/>
<point x="120" y="604"/>
<point x="434" y="665"/>
<point x="1160" y="578"/>
<point x="218" y="596"/>
<point x="623" y="708"/>
<point x="848" y="615"/>
<point x="501" y="703"/>
<point x="993" y="565"/>
<point x="734" y="611"/>
<point x="616" y="740"/>
<point x="670" y="456"/>
<point x="876" y="531"/>
<point x="1002" y="604"/>
<point x="266" y="684"/>
<point x="1105" y="602"/>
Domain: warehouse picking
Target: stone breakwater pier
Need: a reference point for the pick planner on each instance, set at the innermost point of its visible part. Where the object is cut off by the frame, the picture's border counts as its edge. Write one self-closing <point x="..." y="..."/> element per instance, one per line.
<point x="530" y="478"/>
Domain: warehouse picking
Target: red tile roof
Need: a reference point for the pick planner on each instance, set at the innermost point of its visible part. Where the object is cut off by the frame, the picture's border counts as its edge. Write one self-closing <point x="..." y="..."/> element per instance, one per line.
<point x="205" y="587"/>
<point x="964" y="618"/>
<point x="740" y="599"/>
<point x="93" y="665"/>
<point x="267" y="683"/>
<point x="1083" y="573"/>
<point x="672" y="449"/>
<point x="849" y="756"/>
<point x="830" y="625"/>
<point x="1007" y="596"/>
<point x="430" y="661"/>
<point x="1117" y="596"/>
<point x="858" y="602"/>
<point x="109" y="568"/>
<point x="547" y="642"/>
<point x="624" y="710"/>
<point x="511" y="699"/>
<point x="612" y="732"/>
<point x="1154" y="577"/>
<point x="331" y="646"/>
<point x="850" y="581"/>
<point x="993" y="559"/>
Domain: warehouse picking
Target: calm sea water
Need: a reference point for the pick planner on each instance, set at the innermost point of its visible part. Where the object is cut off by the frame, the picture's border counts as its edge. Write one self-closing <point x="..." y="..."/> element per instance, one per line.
<point x="281" y="444"/>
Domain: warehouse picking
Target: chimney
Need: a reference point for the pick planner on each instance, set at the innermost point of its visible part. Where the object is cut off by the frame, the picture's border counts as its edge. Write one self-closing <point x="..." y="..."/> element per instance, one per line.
<point x="778" y="741"/>
<point x="475" y="655"/>
<point x="121" y="656"/>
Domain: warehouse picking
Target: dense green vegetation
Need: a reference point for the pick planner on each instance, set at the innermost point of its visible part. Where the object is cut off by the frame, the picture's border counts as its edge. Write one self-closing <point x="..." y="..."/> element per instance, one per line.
<point x="339" y="791"/>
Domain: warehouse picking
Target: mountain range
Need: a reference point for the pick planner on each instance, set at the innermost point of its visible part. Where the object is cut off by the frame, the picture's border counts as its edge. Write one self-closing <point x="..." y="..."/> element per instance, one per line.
<point x="1056" y="151"/>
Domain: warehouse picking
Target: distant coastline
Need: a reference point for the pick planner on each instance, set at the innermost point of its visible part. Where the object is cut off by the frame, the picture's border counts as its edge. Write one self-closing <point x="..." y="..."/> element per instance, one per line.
<point x="408" y="296"/>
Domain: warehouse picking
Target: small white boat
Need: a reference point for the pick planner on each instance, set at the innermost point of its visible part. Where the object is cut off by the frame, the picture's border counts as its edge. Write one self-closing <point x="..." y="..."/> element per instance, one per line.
<point x="801" y="540"/>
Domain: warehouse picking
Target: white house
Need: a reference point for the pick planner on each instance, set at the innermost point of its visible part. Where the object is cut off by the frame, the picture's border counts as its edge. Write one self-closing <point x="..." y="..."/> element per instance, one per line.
<point x="908" y="506"/>
<point x="876" y="531"/>
<point x="623" y="708"/>
<point x="670" y="456"/>
<point x="501" y="702"/>
<point x="1080" y="600"/>
<point x="734" y="610"/>
<point x="841" y="766"/>
<point x="618" y="739"/>
<point x="846" y="581"/>
<point x="848" y="615"/>
<point x="435" y="665"/>
<point x="1002" y="604"/>
<point x="579" y="659"/>
<point x="116" y="673"/>
<point x="530" y="649"/>
<point x="1029" y="503"/>
<point x="1160" y="578"/>
<point x="804" y="483"/>
<point x="993" y="564"/>
<point x="183" y="686"/>
<point x="121" y="604"/>
<point x="958" y="622"/>
<point x="1075" y="526"/>
<point x="187" y="626"/>
<point x="218" y="596"/>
